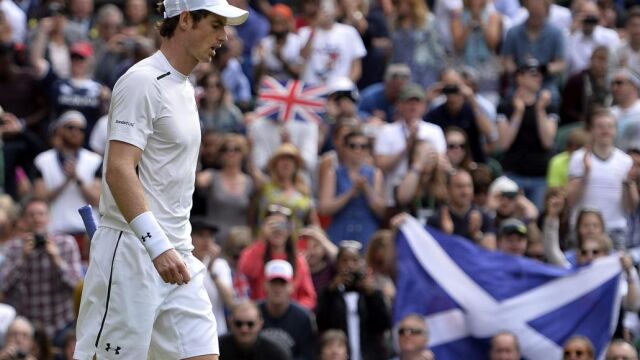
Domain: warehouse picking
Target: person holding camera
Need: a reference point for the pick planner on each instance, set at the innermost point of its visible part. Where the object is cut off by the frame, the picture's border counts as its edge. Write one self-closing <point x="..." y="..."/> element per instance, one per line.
<point x="20" y="341"/>
<point x="41" y="271"/>
<point x="351" y="303"/>
<point x="277" y="243"/>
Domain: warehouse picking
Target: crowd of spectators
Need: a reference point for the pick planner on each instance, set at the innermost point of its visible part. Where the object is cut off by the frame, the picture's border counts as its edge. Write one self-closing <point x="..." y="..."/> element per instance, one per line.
<point x="512" y="123"/>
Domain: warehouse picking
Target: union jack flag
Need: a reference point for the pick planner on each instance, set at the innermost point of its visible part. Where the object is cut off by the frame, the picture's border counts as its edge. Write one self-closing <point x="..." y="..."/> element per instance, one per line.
<point x="291" y="101"/>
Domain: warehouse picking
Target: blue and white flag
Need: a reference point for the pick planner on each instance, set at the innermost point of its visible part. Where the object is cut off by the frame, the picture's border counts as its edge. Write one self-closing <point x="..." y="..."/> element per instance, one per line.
<point x="468" y="294"/>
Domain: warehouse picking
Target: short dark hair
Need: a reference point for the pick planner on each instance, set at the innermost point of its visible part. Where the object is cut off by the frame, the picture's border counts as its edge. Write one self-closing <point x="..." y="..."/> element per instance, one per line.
<point x="167" y="27"/>
<point x="595" y="113"/>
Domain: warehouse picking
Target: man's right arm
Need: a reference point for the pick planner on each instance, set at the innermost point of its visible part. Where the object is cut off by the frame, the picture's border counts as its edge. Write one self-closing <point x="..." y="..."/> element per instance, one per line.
<point x="128" y="194"/>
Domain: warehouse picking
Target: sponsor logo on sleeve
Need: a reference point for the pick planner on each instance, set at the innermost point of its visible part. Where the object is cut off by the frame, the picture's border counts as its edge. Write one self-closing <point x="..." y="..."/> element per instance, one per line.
<point x="125" y="123"/>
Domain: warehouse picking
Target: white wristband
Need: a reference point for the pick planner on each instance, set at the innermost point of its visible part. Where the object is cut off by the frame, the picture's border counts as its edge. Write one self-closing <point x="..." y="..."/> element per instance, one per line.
<point x="149" y="232"/>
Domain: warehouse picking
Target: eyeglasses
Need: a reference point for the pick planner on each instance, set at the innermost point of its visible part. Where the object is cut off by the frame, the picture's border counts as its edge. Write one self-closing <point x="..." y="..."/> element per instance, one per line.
<point x="239" y="324"/>
<point x="592" y="252"/>
<point x="358" y="146"/>
<point x="452" y="146"/>
<point x="231" y="149"/>
<point x="409" y="331"/>
<point x="618" y="82"/>
<point x="74" y="127"/>
<point x="279" y="209"/>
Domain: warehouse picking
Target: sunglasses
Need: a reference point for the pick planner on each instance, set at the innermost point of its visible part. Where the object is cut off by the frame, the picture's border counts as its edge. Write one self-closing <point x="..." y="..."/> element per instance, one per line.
<point x="74" y="127"/>
<point x="239" y="324"/>
<point x="593" y="252"/>
<point x="618" y="82"/>
<point x="231" y="149"/>
<point x="574" y="352"/>
<point x="409" y="331"/>
<point x="358" y="146"/>
<point x="452" y="146"/>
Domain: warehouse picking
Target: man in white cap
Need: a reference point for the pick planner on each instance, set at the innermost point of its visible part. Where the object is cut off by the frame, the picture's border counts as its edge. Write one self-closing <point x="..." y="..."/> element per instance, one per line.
<point x="143" y="295"/>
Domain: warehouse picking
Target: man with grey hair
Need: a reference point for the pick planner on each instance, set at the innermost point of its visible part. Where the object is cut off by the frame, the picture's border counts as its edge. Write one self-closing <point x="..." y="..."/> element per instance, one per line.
<point x="620" y="349"/>
<point x="625" y="84"/>
<point x="413" y="339"/>
<point x="19" y="341"/>
<point x="504" y="346"/>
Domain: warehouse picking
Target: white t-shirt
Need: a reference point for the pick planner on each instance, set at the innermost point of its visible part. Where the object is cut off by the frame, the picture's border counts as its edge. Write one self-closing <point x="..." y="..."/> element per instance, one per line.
<point x="153" y="107"/>
<point x="627" y="57"/>
<point x="392" y="139"/>
<point x="332" y="52"/>
<point x="64" y="208"/>
<point x="624" y="117"/>
<point x="290" y="53"/>
<point x="603" y="186"/>
<point x="580" y="47"/>
<point x="221" y="268"/>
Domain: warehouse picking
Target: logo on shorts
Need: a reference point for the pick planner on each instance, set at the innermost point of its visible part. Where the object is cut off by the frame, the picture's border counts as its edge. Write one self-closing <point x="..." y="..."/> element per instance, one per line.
<point x="116" y="349"/>
<point x="145" y="237"/>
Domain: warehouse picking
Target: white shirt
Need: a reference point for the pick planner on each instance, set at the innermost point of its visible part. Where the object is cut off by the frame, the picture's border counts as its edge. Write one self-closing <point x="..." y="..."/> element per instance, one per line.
<point x="392" y="140"/>
<point x="627" y="57"/>
<point x="221" y="268"/>
<point x="624" y="117"/>
<point x="603" y="186"/>
<point x="17" y="19"/>
<point x="353" y="323"/>
<point x="153" y="107"/>
<point x="332" y="52"/>
<point x="64" y="208"/>
<point x="290" y="53"/>
<point x="580" y="47"/>
<point x="265" y="138"/>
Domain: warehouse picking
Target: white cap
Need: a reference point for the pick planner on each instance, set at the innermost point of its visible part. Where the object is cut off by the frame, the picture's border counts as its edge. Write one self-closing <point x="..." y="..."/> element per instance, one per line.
<point x="69" y="116"/>
<point x="342" y="84"/>
<point x="234" y="15"/>
<point x="503" y="185"/>
<point x="278" y="269"/>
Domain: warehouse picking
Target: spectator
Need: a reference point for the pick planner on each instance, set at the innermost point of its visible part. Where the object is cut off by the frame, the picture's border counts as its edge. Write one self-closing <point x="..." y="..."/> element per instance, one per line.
<point x="587" y="35"/>
<point x="578" y="348"/>
<point x="512" y="237"/>
<point x="245" y="341"/>
<point x="41" y="271"/>
<point x="138" y="21"/>
<point x="417" y="42"/>
<point x="286" y="186"/>
<point x="353" y="296"/>
<point x="458" y="150"/>
<point x="285" y="321"/>
<point x="413" y="339"/>
<point x="627" y="54"/>
<point x="461" y="109"/>
<point x="68" y="177"/>
<point x="20" y="341"/>
<point x="477" y="32"/>
<point x="423" y="189"/>
<point x="504" y="346"/>
<point x="16" y="19"/>
<point x="396" y="141"/>
<point x="527" y="128"/>
<point x="587" y="89"/>
<point x="536" y="38"/>
<point x="251" y="32"/>
<point x="342" y="97"/>
<point x="378" y="101"/>
<point x="620" y="349"/>
<point x="69" y="345"/>
<point x="624" y="87"/>
<point x="597" y="178"/>
<point x="555" y="216"/>
<point x="277" y="242"/>
<point x="216" y="109"/>
<point x="335" y="147"/>
<point x="330" y="49"/>
<point x="42" y="349"/>
<point x="380" y="258"/>
<point x="108" y="45"/>
<point x="353" y="194"/>
<point x="210" y="150"/>
<point x="219" y="284"/>
<point x="307" y="13"/>
<point x="228" y="191"/>
<point x="333" y="346"/>
<point x="506" y="200"/>
<point x="558" y="170"/>
<point x="321" y="256"/>
<point x="278" y="54"/>
<point x="461" y="216"/>
<point x="238" y="239"/>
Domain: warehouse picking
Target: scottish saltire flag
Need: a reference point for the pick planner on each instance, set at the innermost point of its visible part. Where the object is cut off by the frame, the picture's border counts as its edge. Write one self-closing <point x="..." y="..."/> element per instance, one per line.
<point x="468" y="294"/>
<point x="292" y="100"/>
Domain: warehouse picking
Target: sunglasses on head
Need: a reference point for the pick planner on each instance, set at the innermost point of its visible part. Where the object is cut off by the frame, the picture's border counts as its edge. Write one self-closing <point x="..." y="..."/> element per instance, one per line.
<point x="409" y="331"/>
<point x="239" y="323"/>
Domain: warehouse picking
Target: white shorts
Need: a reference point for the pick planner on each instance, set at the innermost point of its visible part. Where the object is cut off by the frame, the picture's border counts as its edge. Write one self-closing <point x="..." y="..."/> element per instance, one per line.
<point x="129" y="312"/>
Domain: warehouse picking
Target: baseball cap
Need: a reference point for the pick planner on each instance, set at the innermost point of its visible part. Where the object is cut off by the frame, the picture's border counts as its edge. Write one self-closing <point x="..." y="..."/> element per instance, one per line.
<point x="342" y="85"/>
<point x="278" y="269"/>
<point x="512" y="226"/>
<point x="202" y="223"/>
<point x="234" y="15"/>
<point x="503" y="185"/>
<point x="412" y="91"/>
<point x="82" y="49"/>
<point x="629" y="75"/>
<point x="69" y="116"/>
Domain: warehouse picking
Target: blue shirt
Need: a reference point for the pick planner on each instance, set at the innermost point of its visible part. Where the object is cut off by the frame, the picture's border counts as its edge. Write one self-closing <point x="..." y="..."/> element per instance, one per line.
<point x="373" y="98"/>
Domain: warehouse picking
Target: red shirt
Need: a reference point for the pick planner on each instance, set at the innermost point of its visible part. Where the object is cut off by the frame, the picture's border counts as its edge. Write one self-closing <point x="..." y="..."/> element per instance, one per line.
<point x="251" y="264"/>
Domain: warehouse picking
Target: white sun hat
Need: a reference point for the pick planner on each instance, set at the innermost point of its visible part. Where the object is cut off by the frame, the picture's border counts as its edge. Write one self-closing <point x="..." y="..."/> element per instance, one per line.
<point x="234" y="15"/>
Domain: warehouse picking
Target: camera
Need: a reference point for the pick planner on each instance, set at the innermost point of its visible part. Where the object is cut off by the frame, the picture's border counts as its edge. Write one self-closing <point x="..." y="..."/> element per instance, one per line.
<point x="590" y="20"/>
<point x="21" y="355"/>
<point x="354" y="279"/>
<point x="39" y="240"/>
<point x="450" y="89"/>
